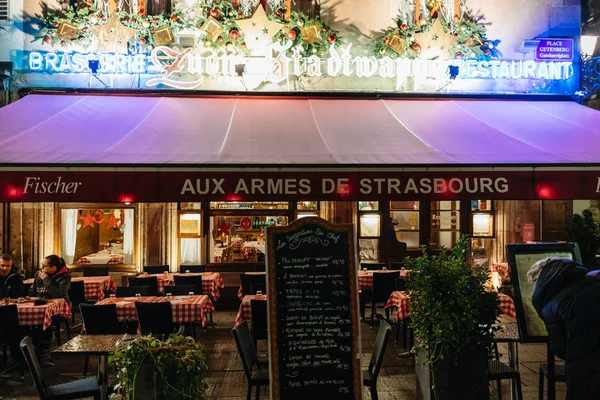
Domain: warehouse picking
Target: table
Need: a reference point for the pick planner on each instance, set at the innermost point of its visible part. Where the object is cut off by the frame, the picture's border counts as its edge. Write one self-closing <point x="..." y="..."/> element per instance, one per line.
<point x="211" y="282"/>
<point x="245" y="312"/>
<point x="101" y="257"/>
<point x="32" y="315"/>
<point x="401" y="299"/>
<point x="94" y="286"/>
<point x="365" y="278"/>
<point x="240" y="290"/>
<point x="186" y="309"/>
<point x="97" y="345"/>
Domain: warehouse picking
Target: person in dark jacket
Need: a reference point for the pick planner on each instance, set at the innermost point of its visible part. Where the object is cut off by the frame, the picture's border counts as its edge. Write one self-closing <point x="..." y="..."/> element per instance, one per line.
<point x="11" y="281"/>
<point x="54" y="279"/>
<point x="567" y="298"/>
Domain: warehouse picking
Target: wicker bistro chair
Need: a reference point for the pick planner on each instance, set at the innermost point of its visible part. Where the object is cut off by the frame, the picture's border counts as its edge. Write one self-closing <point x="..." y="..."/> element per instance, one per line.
<point x="371" y="374"/>
<point x="99" y="320"/>
<point x="95" y="271"/>
<point x="150" y="281"/>
<point x="256" y="374"/>
<point x="79" y="389"/>
<point x="559" y="375"/>
<point x="156" y="269"/>
<point x="192" y="268"/>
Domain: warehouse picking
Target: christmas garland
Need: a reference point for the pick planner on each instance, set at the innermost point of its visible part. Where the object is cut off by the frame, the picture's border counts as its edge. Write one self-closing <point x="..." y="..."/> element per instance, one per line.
<point x="472" y="38"/>
<point x="229" y="40"/>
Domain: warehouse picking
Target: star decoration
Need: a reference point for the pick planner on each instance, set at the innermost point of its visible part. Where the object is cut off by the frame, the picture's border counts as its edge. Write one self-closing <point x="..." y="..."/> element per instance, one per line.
<point x="224" y="228"/>
<point x="113" y="36"/>
<point x="112" y="222"/>
<point x="258" y="30"/>
<point x="435" y="42"/>
<point x="88" y="220"/>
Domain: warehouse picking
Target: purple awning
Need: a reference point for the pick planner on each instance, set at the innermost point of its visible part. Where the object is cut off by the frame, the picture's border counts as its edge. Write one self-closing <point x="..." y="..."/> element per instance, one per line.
<point x="93" y="129"/>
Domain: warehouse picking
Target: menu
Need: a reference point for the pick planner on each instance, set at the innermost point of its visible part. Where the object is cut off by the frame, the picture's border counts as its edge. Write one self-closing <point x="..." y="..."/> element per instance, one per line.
<point x="314" y="346"/>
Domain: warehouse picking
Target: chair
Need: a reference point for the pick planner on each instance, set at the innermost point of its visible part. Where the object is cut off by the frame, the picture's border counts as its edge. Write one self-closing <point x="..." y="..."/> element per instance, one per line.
<point x="372" y="372"/>
<point x="131" y="291"/>
<point x="255" y="374"/>
<point x="372" y="266"/>
<point x="95" y="271"/>
<point x="252" y="282"/>
<point x="77" y="296"/>
<point x="559" y="376"/>
<point x="194" y="280"/>
<point x="384" y="283"/>
<point x="192" y="268"/>
<point x="156" y="269"/>
<point x="150" y="281"/>
<point x="179" y="290"/>
<point x="245" y="281"/>
<point x="99" y="320"/>
<point x="400" y="284"/>
<point x="155" y="318"/>
<point x="499" y="371"/>
<point x="260" y="267"/>
<point x="72" y="390"/>
<point x="256" y="286"/>
<point x="10" y="333"/>
<point x="259" y="320"/>
<point x="397" y="265"/>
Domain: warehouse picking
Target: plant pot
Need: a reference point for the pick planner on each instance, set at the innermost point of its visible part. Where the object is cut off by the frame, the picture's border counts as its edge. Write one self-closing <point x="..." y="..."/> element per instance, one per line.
<point x="146" y="387"/>
<point x="465" y="380"/>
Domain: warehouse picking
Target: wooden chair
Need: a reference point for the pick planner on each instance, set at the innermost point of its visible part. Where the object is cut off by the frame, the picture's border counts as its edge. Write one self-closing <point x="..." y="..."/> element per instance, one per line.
<point x="371" y="374"/>
<point x="79" y="389"/>
<point x="255" y="373"/>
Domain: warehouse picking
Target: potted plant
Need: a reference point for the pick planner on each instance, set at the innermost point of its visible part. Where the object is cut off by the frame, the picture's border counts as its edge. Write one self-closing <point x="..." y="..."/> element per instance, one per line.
<point x="584" y="230"/>
<point x="453" y="316"/>
<point x="150" y="368"/>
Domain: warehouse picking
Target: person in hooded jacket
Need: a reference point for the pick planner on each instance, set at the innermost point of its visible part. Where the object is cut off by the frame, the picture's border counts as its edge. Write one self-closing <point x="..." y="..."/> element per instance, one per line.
<point x="11" y="281"/>
<point x="54" y="279"/>
<point x="567" y="298"/>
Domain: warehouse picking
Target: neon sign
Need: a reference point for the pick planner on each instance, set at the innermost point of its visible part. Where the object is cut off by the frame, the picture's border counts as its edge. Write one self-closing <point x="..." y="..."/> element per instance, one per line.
<point x="276" y="66"/>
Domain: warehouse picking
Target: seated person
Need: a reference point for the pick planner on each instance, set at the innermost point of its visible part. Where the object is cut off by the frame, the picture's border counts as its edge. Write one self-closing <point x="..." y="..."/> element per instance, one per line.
<point x="54" y="278"/>
<point x="11" y="281"/>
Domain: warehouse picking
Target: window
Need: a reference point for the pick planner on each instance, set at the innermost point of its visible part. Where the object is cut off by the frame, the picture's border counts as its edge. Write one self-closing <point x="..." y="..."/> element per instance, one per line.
<point x="97" y="235"/>
<point x="4" y="11"/>
<point x="248" y="205"/>
<point x="190" y="237"/>
<point x="307" y="209"/>
<point x="445" y="223"/>
<point x="369" y="231"/>
<point x="404" y="216"/>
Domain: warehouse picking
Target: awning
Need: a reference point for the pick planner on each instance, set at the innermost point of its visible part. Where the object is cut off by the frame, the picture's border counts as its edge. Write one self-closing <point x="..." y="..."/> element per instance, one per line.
<point x="128" y="144"/>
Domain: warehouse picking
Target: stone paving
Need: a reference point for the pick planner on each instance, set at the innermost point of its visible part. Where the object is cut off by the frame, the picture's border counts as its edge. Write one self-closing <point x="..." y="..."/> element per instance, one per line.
<point x="226" y="378"/>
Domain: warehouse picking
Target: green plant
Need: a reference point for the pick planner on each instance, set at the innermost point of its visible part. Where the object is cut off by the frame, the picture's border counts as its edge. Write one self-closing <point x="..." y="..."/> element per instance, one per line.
<point x="450" y="310"/>
<point x="177" y="365"/>
<point x="584" y="230"/>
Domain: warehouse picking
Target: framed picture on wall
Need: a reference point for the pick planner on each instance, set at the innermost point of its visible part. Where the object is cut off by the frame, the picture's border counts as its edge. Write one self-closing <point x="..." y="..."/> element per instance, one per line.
<point x="521" y="258"/>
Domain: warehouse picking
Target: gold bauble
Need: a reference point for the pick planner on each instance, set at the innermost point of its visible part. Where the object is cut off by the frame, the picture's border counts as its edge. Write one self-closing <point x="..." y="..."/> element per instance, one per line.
<point x="382" y="50"/>
<point x="146" y="24"/>
<point x="434" y="4"/>
<point x="422" y="22"/>
<point x="314" y="50"/>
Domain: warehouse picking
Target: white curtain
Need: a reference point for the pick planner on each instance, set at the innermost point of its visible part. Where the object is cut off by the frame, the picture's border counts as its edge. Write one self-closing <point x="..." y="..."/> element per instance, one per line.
<point x="128" y="236"/>
<point x="69" y="234"/>
<point x="190" y="251"/>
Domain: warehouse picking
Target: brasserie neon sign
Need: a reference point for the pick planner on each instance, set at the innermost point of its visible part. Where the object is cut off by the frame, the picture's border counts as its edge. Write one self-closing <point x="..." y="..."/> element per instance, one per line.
<point x="276" y="66"/>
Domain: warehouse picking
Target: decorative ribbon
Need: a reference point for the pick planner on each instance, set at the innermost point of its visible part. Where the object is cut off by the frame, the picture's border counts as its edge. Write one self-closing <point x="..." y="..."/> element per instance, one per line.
<point x="457" y="12"/>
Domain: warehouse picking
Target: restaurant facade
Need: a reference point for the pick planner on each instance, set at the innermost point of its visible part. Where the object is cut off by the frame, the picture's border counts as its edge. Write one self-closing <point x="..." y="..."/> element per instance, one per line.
<point x="175" y="133"/>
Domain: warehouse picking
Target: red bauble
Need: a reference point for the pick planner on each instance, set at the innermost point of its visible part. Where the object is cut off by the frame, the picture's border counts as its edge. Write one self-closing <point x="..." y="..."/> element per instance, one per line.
<point x="133" y="20"/>
<point x="291" y="34"/>
<point x="174" y="18"/>
<point x="214" y="13"/>
<point x="458" y="55"/>
<point x="141" y="13"/>
<point x="234" y="34"/>
<point x="332" y="38"/>
<point x="403" y="27"/>
<point x="47" y="39"/>
<point x="416" y="46"/>
<point x="84" y="29"/>
<point x="220" y="39"/>
<point x="155" y="20"/>
<point x="143" y="40"/>
<point x="325" y="29"/>
<point x="62" y="42"/>
<point x="278" y="12"/>
<point x="240" y="15"/>
<point x="243" y="46"/>
<point x="487" y="52"/>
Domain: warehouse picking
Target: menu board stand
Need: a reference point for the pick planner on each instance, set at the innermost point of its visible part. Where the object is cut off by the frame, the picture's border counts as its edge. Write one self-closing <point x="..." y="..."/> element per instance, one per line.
<point x="313" y="311"/>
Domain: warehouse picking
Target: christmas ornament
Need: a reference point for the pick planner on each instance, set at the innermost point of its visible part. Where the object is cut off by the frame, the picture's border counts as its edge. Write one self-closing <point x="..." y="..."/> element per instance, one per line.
<point x="47" y="39"/>
<point x="214" y="13"/>
<point x="142" y="40"/>
<point x="291" y="34"/>
<point x="416" y="46"/>
<point x="146" y="24"/>
<point x="212" y="28"/>
<point x="88" y="220"/>
<point x="311" y="34"/>
<point x="113" y="36"/>
<point x="458" y="55"/>
<point x="99" y="216"/>
<point x="433" y="5"/>
<point x="67" y="30"/>
<point x="229" y="47"/>
<point x="403" y="27"/>
<point x="435" y="42"/>
<point x="258" y="30"/>
<point x="112" y="222"/>
<point x="163" y="35"/>
<point x="422" y="22"/>
<point x="224" y="228"/>
<point x="234" y="34"/>
<point x="397" y="44"/>
<point x="332" y="38"/>
<point x="382" y="50"/>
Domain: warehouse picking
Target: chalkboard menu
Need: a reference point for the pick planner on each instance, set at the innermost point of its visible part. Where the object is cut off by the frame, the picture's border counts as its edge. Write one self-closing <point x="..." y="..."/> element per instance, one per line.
<point x="313" y="330"/>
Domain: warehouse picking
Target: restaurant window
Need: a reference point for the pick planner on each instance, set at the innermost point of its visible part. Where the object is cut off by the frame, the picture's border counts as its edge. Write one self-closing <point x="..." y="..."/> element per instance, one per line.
<point x="240" y="236"/>
<point x="369" y="231"/>
<point x="483" y="231"/>
<point x="97" y="235"/>
<point x="445" y="223"/>
<point x="190" y="233"/>
<point x="404" y="217"/>
<point x="307" y="209"/>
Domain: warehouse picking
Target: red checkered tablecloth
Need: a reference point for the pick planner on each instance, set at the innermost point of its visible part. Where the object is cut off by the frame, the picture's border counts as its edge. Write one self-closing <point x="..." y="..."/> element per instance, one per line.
<point x="240" y="290"/>
<point x="245" y="312"/>
<point x="365" y="278"/>
<point x="94" y="286"/>
<point x="112" y="260"/>
<point x="31" y="315"/>
<point x="185" y="308"/>
<point x="400" y="300"/>
<point x="211" y="282"/>
<point x="502" y="268"/>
